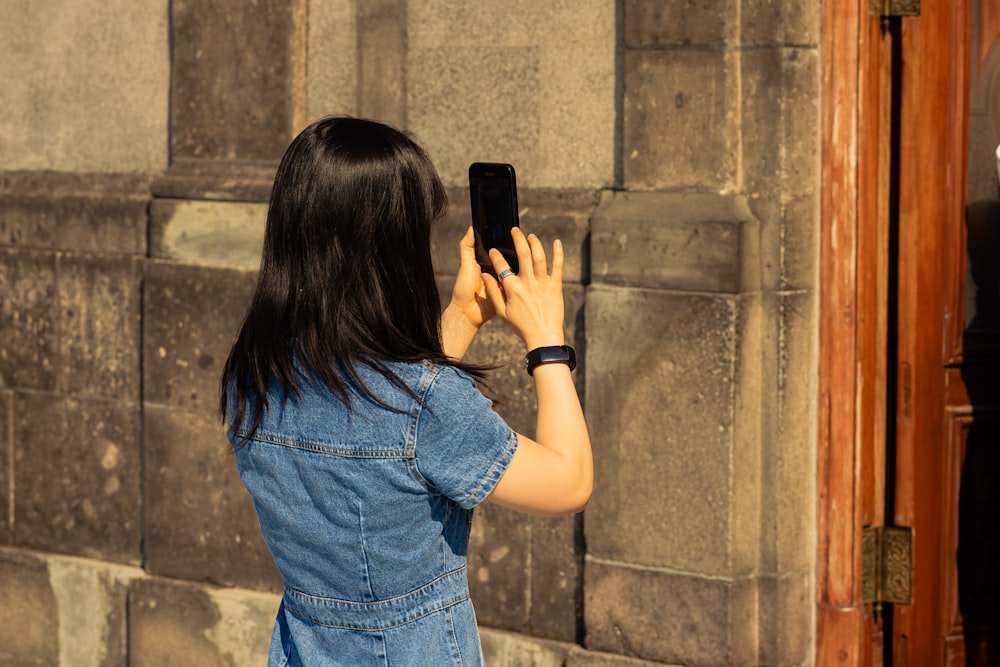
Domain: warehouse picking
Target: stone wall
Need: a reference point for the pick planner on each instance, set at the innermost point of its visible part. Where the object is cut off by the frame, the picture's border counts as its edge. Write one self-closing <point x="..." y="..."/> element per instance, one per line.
<point x="671" y="145"/>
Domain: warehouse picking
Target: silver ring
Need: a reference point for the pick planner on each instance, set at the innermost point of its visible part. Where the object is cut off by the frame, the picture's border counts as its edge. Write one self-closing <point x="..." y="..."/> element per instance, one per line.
<point x="504" y="274"/>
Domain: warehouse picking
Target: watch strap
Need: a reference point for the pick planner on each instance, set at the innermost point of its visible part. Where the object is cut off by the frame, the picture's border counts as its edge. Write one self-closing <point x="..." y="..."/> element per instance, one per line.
<point x="563" y="354"/>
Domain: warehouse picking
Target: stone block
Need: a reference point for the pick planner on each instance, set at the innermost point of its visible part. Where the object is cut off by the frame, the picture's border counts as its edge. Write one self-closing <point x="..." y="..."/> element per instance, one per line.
<point x="779" y="116"/>
<point x="29" y="318"/>
<point x="99" y="327"/>
<point x="667" y="23"/>
<point x="333" y="69"/>
<point x="682" y="241"/>
<point x="789" y="448"/>
<point x="237" y="78"/>
<point x="681" y="120"/>
<point x="199" y="519"/>
<point x="226" y="234"/>
<point x="496" y="118"/>
<point x="76" y="476"/>
<point x="381" y="60"/>
<point x="6" y="469"/>
<point x="518" y="82"/>
<point x="179" y="623"/>
<point x="76" y="212"/>
<point x="63" y="611"/>
<point x="661" y="371"/>
<point x="86" y="86"/>
<point x="500" y="567"/>
<point x="207" y="180"/>
<point x="746" y="483"/>
<point x="506" y="649"/>
<point x="29" y="617"/>
<point x="786" y="628"/>
<point x="799" y="240"/>
<point x="786" y="22"/>
<point x="556" y="577"/>
<point x="191" y="316"/>
<point x="669" y="617"/>
<point x="584" y="658"/>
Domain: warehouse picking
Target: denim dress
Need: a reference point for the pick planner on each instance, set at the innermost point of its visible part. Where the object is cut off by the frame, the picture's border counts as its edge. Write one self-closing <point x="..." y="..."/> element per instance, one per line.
<point x="366" y="511"/>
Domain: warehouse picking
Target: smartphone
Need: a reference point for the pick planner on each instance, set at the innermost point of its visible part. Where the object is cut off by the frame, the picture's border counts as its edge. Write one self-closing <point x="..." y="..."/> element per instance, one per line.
<point x="493" y="189"/>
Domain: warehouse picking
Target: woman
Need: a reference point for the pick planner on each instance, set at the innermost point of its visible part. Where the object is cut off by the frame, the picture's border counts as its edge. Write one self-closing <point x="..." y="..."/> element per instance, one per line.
<point x="358" y="430"/>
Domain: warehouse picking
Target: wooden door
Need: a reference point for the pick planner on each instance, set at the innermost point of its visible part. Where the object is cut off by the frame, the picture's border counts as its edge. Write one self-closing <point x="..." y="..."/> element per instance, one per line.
<point x="932" y="167"/>
<point x="909" y="425"/>
<point x="945" y="474"/>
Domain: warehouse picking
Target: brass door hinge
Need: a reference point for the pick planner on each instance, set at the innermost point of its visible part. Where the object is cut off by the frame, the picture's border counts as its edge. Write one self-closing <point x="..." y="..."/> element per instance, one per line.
<point x="894" y="7"/>
<point x="887" y="565"/>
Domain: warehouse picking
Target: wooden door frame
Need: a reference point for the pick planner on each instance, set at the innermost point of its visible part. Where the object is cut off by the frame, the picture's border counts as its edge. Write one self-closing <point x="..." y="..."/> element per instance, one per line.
<point x="851" y="334"/>
<point x="844" y="173"/>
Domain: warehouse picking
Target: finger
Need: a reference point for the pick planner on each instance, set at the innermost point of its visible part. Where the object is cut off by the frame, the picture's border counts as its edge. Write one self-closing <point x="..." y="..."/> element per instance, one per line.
<point x="558" y="259"/>
<point x="495" y="294"/>
<point x="521" y="248"/>
<point x="499" y="262"/>
<point x="538" y="261"/>
<point x="467" y="247"/>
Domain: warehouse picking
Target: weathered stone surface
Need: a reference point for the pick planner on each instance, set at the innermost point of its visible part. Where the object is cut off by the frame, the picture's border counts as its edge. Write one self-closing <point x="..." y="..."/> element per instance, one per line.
<point x="583" y="658"/>
<point x="6" y="458"/>
<point x="91" y="598"/>
<point x="191" y="178"/>
<point x="660" y="391"/>
<point x="191" y="315"/>
<point x="512" y="650"/>
<point x="688" y="241"/>
<point x="85" y="86"/>
<point x="263" y="49"/>
<point x="76" y="468"/>
<point x="29" y="617"/>
<point x="669" y="617"/>
<point x="28" y="320"/>
<point x="520" y="83"/>
<point x="500" y="567"/>
<point x="680" y="23"/>
<point x="332" y="68"/>
<point x="199" y="519"/>
<point x="495" y="119"/>
<point x="556" y="577"/>
<point x="211" y="233"/>
<point x="788" y="449"/>
<point x="779" y="22"/>
<point x="799" y="240"/>
<point x="780" y="114"/>
<point x="76" y="212"/>
<point x="177" y="623"/>
<point x="681" y="119"/>
<point x="781" y="599"/>
<point x="382" y="55"/>
<point x="98" y="301"/>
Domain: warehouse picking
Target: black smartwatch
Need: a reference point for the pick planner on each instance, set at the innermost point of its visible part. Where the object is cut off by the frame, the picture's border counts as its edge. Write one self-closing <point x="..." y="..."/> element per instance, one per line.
<point x="562" y="354"/>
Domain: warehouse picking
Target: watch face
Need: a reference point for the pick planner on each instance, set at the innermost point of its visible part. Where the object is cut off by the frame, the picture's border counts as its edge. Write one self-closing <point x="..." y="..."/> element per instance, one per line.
<point x="552" y="354"/>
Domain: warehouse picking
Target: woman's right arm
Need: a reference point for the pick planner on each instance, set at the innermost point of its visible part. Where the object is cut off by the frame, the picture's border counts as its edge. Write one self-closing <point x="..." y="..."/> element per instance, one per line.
<point x="554" y="472"/>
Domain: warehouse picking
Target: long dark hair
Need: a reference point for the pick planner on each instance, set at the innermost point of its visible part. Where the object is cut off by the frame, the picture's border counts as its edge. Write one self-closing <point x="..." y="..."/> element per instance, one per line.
<point x="346" y="276"/>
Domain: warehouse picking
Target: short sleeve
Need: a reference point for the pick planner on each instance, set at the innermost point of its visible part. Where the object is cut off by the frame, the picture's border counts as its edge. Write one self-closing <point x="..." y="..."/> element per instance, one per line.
<point x="463" y="446"/>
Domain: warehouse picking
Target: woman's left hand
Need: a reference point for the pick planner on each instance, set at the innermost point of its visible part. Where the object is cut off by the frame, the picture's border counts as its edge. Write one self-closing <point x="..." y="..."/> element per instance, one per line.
<point x="469" y="308"/>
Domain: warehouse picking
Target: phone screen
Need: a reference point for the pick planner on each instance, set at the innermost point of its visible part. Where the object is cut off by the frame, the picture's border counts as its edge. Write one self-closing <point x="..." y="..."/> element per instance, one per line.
<point x="493" y="189"/>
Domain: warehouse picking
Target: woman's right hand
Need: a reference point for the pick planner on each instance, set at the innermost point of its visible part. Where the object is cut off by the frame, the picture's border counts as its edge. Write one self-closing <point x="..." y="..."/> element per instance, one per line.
<point x="530" y="302"/>
<point x="553" y="472"/>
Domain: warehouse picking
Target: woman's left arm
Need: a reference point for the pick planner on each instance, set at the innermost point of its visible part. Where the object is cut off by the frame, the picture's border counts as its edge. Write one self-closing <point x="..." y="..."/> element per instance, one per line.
<point x="469" y="308"/>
